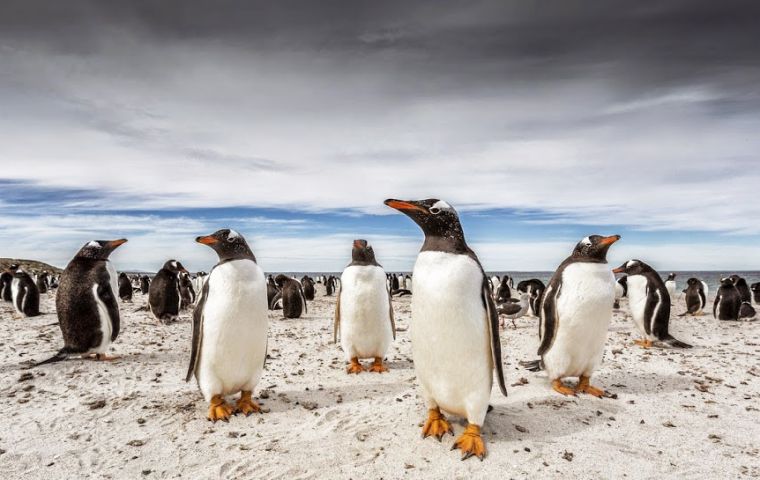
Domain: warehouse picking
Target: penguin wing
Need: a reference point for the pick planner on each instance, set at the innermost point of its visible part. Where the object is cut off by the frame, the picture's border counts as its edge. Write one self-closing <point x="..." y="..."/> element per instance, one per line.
<point x="702" y="296"/>
<point x="390" y="313"/>
<point x="336" y="321"/>
<point x="649" y="309"/>
<point x="275" y="299"/>
<point x="303" y="297"/>
<point x="715" y="305"/>
<point x="549" y="318"/>
<point x="492" y="320"/>
<point x="195" y="351"/>
<point x="106" y="295"/>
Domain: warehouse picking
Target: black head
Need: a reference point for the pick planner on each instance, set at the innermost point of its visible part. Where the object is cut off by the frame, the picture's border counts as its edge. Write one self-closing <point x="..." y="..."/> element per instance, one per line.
<point x="228" y="244"/>
<point x="281" y="280"/>
<point x="672" y="276"/>
<point x="13" y="267"/>
<point x="755" y="287"/>
<point x="174" y="266"/>
<point x="737" y="280"/>
<point x="594" y="248"/>
<point x="727" y="282"/>
<point x="99" y="249"/>
<point x="693" y="282"/>
<point x="122" y="275"/>
<point x="633" y="267"/>
<point x="363" y="253"/>
<point x="438" y="221"/>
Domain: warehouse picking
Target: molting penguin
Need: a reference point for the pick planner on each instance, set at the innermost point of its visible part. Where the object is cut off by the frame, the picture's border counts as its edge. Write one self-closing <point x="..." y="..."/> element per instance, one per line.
<point x="164" y="298"/>
<point x="755" y="287"/>
<point x="649" y="302"/>
<point x="125" y="288"/>
<point x="454" y="327"/>
<point x="670" y="286"/>
<point x="26" y="296"/>
<point x="186" y="291"/>
<point x="291" y="294"/>
<point x="741" y="286"/>
<point x="575" y="313"/>
<point x="230" y="327"/>
<point x="695" y="297"/>
<point x="308" y="287"/>
<point x="271" y="292"/>
<point x="727" y="301"/>
<point x="503" y="293"/>
<point x="363" y="312"/>
<point x="621" y="291"/>
<point x="6" y="279"/>
<point x="42" y="282"/>
<point x="144" y="284"/>
<point x="86" y="302"/>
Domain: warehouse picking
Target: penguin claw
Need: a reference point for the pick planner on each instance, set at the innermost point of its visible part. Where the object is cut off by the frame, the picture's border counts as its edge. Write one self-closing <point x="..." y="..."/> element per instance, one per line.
<point x="355" y="367"/>
<point x="378" y="366"/>
<point x="246" y="405"/>
<point x="219" y="409"/>
<point x="560" y="387"/>
<point x="585" y="387"/>
<point x="436" y="425"/>
<point x="471" y="443"/>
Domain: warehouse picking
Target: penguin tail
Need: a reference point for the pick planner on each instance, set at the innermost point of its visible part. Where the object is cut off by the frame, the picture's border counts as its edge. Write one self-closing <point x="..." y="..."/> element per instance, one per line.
<point x="532" y="365"/>
<point x="676" y="343"/>
<point x="62" y="354"/>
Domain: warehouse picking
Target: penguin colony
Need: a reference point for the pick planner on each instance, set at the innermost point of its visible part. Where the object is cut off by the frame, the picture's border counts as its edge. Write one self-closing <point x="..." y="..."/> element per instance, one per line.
<point x="456" y="308"/>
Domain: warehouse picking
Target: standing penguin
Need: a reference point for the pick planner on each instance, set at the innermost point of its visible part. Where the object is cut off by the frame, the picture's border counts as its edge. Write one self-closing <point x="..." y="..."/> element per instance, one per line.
<point x="727" y="301"/>
<point x="125" y="288"/>
<point x="535" y="288"/>
<point x="308" y="287"/>
<point x="695" y="297"/>
<point x="575" y="313"/>
<point x="329" y="285"/>
<point x="291" y="294"/>
<point x="144" y="284"/>
<point x="86" y="302"/>
<point x="649" y="302"/>
<point x="271" y="292"/>
<point x="503" y="293"/>
<point x="742" y="288"/>
<point x="455" y="327"/>
<point x="746" y="311"/>
<point x="42" y="282"/>
<point x="621" y="291"/>
<point x="186" y="291"/>
<point x="26" y="296"/>
<point x="363" y="312"/>
<point x="755" y="287"/>
<point x="230" y="327"/>
<point x="670" y="286"/>
<point x="6" y="279"/>
<point x="164" y="298"/>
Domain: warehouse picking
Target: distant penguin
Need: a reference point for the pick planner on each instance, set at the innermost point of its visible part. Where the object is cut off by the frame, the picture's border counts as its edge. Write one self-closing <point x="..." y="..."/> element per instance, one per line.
<point x="42" y="282"/>
<point x="408" y="283"/>
<point x="164" y="298"/>
<point x="727" y="301"/>
<point x="144" y="284"/>
<point x="746" y="311"/>
<point x="86" y="302"/>
<point x="329" y="285"/>
<point x="230" y="328"/>
<point x="695" y="297"/>
<point x="402" y="282"/>
<point x="755" y="287"/>
<point x="513" y="310"/>
<point x="576" y="311"/>
<point x="503" y="293"/>
<point x="6" y="279"/>
<point x="308" y="288"/>
<point x="271" y="292"/>
<point x="291" y="294"/>
<point x="363" y="311"/>
<point x="495" y="282"/>
<point x="454" y="327"/>
<point x="125" y="288"/>
<point x="26" y="296"/>
<point x="186" y="291"/>
<point x="741" y="286"/>
<point x="621" y="291"/>
<point x="394" y="282"/>
<point x="670" y="286"/>
<point x="535" y="288"/>
<point x="649" y="302"/>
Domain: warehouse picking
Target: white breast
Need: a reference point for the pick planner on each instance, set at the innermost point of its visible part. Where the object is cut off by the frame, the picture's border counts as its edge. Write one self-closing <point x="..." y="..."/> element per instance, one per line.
<point x="707" y="292"/>
<point x="637" y="300"/>
<point x="15" y="287"/>
<point x="670" y="286"/>
<point x="365" y="327"/>
<point x="234" y="329"/>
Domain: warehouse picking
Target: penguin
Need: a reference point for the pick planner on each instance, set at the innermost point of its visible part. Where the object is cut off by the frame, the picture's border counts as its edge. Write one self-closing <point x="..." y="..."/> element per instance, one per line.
<point x="363" y="311"/>
<point x="503" y="293"/>
<point x="695" y="297"/>
<point x="755" y="288"/>
<point x="670" y="286"/>
<point x="291" y="294"/>
<point x="705" y="289"/>
<point x="649" y="302"/>
<point x="308" y="287"/>
<point x="536" y="289"/>
<point x="746" y="311"/>
<point x="741" y="286"/>
<point x="513" y="310"/>
<point x="164" y="297"/>
<point x="144" y="284"/>
<point x="394" y="282"/>
<point x="329" y="286"/>
<point x="271" y="292"/>
<point x="86" y="302"/>
<point x="576" y="311"/>
<point x="727" y="301"/>
<point x="454" y="327"/>
<point x="230" y="327"/>
<point x="42" y="282"/>
<point x="6" y="279"/>
<point x="26" y="296"/>
<point x="408" y="283"/>
<point x="125" y="288"/>
<point x="186" y="291"/>
<point x="495" y="282"/>
<point x="621" y="291"/>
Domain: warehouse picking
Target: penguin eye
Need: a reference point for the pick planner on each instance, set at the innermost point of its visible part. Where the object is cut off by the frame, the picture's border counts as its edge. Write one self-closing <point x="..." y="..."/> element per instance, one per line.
<point x="435" y="210"/>
<point x="231" y="239"/>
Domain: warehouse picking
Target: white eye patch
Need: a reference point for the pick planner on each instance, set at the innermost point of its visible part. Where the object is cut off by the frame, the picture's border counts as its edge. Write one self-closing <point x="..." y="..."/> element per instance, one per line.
<point x="441" y="205"/>
<point x="586" y="241"/>
<point x="233" y="235"/>
<point x="174" y="264"/>
<point x="631" y="263"/>
<point x="93" y="244"/>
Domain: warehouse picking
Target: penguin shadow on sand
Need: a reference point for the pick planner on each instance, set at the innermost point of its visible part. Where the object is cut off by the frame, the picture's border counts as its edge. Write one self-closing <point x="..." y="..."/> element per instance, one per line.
<point x="329" y="397"/>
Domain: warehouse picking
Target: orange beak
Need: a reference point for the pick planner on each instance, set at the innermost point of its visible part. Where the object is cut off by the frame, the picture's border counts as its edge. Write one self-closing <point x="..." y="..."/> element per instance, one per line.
<point x="116" y="243"/>
<point x="609" y="240"/>
<point x="358" y="244"/>
<point x="619" y="270"/>
<point x="207" y="240"/>
<point x="402" y="205"/>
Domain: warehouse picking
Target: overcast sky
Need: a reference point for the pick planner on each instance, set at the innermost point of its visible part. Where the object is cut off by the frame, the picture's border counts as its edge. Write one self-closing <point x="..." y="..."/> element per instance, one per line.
<point x="541" y="122"/>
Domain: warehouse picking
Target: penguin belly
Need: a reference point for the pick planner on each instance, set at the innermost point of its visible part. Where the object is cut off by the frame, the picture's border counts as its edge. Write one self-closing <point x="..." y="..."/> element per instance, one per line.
<point x="15" y="292"/>
<point x="451" y="344"/>
<point x="584" y="308"/>
<point x="637" y="301"/>
<point x="235" y="325"/>
<point x="365" y="325"/>
<point x="670" y="286"/>
<point x="106" y="324"/>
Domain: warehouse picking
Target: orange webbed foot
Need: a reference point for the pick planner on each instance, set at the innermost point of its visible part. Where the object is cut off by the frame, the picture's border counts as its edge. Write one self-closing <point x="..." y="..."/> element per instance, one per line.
<point x="378" y="366"/>
<point x="470" y="443"/>
<point x="246" y="405"/>
<point x="102" y="357"/>
<point x="585" y="387"/>
<point x="218" y="409"/>
<point x="560" y="387"/>
<point x="354" y="366"/>
<point x="436" y="425"/>
<point x="645" y="343"/>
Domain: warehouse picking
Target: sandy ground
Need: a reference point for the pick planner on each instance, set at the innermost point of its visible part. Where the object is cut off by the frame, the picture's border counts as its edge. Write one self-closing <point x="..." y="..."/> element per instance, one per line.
<point x="677" y="414"/>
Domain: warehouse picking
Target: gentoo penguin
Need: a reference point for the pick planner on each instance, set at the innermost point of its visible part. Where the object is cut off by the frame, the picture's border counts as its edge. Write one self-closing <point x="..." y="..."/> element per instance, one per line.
<point x="495" y="282"/>
<point x="536" y="289"/>
<point x="727" y="301"/>
<point x="408" y="283"/>
<point x="86" y="302"/>
<point x="575" y="313"/>
<point x="746" y="311"/>
<point x="125" y="288"/>
<point x="621" y="291"/>
<point x="230" y="327"/>
<point x="755" y="287"/>
<point x="363" y="312"/>
<point x="164" y="297"/>
<point x="144" y="284"/>
<point x="705" y="289"/>
<point x="741" y="286"/>
<point x="42" y="282"/>
<point x="308" y="287"/>
<point x="503" y="293"/>
<point x="695" y="297"/>
<point x="513" y="310"/>
<point x="670" y="286"/>
<point x="454" y="327"/>
<point x="186" y="291"/>
<point x="6" y="279"/>
<point x="271" y="292"/>
<point x="649" y="302"/>
<point x="26" y="296"/>
<point x="291" y="294"/>
<point x="329" y="285"/>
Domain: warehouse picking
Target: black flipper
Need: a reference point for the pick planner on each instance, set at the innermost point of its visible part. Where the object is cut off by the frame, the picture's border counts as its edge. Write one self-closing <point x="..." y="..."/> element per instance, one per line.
<point x="106" y="295"/>
<point x="532" y="365"/>
<point x="195" y="352"/>
<point x="674" y="342"/>
<point x="390" y="310"/>
<point x="336" y="320"/>
<point x="715" y="306"/>
<point x="275" y="300"/>
<point x="549" y="321"/>
<point x="649" y="310"/>
<point x="303" y="298"/>
<point x="62" y="354"/>
<point x="492" y="319"/>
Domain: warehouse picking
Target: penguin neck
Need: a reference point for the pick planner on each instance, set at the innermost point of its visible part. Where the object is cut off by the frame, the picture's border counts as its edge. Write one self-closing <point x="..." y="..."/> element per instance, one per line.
<point x="450" y="243"/>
